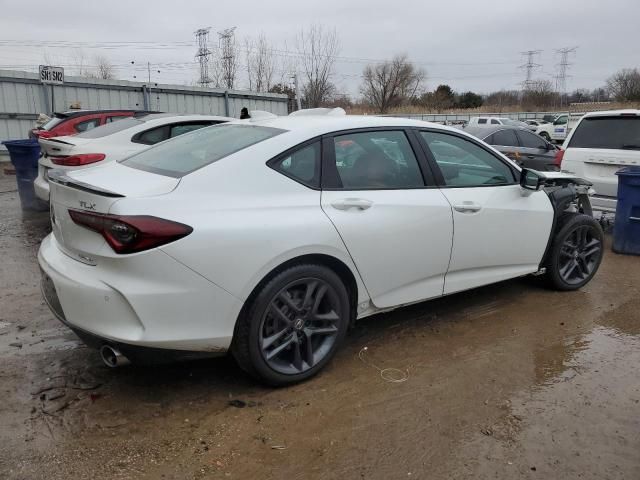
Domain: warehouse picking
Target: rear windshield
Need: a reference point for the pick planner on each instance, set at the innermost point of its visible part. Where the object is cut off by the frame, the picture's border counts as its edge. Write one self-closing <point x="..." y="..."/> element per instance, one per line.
<point x="53" y="122"/>
<point x="191" y="151"/>
<point x="110" y="128"/>
<point x="620" y="133"/>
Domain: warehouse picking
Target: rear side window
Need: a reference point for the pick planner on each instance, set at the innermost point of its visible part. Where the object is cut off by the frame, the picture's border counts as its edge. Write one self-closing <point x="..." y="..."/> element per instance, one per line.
<point x="87" y="125"/>
<point x="195" y="150"/>
<point x="618" y="133"/>
<point x="482" y="121"/>
<point x="506" y="138"/>
<point x="111" y="128"/>
<point x="302" y="165"/>
<point x="177" y="130"/>
<point x="153" y="136"/>
<point x="376" y="160"/>
<point x="115" y="118"/>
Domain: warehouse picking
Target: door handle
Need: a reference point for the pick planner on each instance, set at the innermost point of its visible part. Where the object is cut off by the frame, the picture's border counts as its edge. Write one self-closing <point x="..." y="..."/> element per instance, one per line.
<point x="467" y="207"/>
<point x="347" y="203"/>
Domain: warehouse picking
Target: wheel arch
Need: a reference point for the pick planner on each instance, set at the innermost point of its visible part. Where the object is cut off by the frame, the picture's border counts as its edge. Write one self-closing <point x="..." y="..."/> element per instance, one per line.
<point x="344" y="269"/>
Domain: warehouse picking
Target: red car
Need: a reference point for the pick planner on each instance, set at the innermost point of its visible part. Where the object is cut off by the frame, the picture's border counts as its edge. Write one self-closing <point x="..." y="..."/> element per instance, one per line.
<point x="77" y="121"/>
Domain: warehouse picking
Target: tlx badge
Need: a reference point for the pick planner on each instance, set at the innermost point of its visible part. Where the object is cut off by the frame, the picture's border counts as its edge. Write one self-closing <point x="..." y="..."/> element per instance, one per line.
<point x="87" y="205"/>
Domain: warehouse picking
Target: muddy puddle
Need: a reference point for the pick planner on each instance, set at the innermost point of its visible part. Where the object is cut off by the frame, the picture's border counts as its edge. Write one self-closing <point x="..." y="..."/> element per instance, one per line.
<point x="508" y="381"/>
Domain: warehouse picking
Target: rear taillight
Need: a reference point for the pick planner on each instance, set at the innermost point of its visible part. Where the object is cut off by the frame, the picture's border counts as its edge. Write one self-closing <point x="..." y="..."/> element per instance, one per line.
<point x="131" y="233"/>
<point x="557" y="161"/>
<point x="43" y="134"/>
<point x="78" y="160"/>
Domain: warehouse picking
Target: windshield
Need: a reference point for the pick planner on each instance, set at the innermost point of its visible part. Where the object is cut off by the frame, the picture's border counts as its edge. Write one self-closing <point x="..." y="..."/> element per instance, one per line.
<point x="110" y="128"/>
<point x="619" y="132"/>
<point x="191" y="151"/>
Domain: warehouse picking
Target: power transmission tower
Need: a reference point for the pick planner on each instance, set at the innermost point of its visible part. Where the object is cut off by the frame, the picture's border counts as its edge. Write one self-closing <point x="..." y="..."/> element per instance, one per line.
<point x="228" y="56"/>
<point x="202" y="36"/>
<point x="529" y="66"/>
<point x="563" y="66"/>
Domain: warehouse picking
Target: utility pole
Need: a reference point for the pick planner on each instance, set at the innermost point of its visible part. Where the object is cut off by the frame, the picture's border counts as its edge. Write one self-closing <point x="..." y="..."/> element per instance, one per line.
<point x="563" y="66"/>
<point x="228" y="57"/>
<point x="297" y="87"/>
<point x="203" y="54"/>
<point x="529" y="66"/>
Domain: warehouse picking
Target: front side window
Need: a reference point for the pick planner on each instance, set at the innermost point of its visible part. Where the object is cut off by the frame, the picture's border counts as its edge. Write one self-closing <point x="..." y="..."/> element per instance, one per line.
<point x="531" y="140"/>
<point x="619" y="133"/>
<point x="302" y="165"/>
<point x="505" y="138"/>
<point x="561" y="120"/>
<point x="495" y="122"/>
<point x="376" y="160"/>
<point x="195" y="150"/>
<point x="465" y="164"/>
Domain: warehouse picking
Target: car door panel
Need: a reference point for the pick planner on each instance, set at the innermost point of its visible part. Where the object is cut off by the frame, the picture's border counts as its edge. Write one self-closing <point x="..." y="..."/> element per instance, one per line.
<point x="397" y="231"/>
<point x="500" y="230"/>
<point x="505" y="236"/>
<point x="400" y="241"/>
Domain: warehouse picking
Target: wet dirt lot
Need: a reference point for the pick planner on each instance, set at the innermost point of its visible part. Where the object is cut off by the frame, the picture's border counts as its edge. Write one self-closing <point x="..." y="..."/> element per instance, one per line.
<point x="508" y="381"/>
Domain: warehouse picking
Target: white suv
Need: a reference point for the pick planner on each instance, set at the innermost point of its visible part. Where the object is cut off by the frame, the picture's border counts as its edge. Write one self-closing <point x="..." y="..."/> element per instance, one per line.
<point x="600" y="145"/>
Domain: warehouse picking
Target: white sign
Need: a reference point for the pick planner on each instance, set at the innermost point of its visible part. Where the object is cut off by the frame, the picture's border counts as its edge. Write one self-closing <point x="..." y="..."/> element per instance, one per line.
<point x="51" y="75"/>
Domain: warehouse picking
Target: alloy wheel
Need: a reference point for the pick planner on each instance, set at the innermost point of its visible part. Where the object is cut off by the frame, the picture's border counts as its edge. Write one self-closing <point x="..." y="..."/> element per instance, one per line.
<point x="579" y="255"/>
<point x="300" y="326"/>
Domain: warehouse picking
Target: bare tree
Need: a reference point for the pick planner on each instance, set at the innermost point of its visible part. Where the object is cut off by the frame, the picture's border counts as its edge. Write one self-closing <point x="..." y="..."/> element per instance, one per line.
<point x="539" y="93"/>
<point x="624" y="85"/>
<point x="391" y="83"/>
<point x="317" y="48"/>
<point x="104" y="68"/>
<point x="261" y="63"/>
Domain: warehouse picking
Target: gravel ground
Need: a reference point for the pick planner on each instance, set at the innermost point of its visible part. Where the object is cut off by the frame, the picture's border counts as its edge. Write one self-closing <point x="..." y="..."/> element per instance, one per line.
<point x="508" y="381"/>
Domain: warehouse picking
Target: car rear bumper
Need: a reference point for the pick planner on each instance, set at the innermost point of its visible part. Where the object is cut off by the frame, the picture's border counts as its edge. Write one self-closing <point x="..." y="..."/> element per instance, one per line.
<point x="41" y="186"/>
<point x="165" y="306"/>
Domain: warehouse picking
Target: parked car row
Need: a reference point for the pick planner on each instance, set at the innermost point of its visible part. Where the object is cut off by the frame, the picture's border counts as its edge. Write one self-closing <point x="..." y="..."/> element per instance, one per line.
<point x="269" y="237"/>
<point x="113" y="141"/>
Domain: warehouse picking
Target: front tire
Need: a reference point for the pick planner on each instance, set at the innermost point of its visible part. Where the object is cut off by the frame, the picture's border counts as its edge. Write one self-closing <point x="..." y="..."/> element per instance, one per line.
<point x="546" y="136"/>
<point x="576" y="252"/>
<point x="293" y="326"/>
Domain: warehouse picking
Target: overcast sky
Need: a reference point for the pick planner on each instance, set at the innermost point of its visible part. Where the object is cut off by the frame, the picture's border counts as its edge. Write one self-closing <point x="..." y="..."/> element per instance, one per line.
<point x="469" y="44"/>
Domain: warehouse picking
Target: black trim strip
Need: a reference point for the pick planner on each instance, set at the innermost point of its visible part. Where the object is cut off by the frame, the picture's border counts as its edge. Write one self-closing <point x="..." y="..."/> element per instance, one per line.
<point x="61" y="178"/>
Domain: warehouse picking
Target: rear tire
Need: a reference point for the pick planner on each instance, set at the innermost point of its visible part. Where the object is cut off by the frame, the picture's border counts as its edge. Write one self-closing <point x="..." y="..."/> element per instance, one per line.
<point x="576" y="252"/>
<point x="292" y="327"/>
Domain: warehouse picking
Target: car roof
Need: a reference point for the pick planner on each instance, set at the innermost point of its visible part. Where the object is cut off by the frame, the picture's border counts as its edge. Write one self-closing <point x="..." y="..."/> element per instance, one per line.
<point x="76" y="113"/>
<point x="613" y="113"/>
<point x="171" y="117"/>
<point x="314" y="125"/>
<point x="484" y="132"/>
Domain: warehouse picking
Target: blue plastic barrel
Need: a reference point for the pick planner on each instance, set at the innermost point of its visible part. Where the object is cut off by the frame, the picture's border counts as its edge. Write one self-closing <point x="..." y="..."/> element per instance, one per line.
<point x="626" y="230"/>
<point x="24" y="155"/>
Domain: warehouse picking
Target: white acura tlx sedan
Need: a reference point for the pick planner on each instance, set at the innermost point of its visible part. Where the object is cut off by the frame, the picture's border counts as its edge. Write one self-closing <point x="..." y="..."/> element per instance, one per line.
<point x="268" y="238"/>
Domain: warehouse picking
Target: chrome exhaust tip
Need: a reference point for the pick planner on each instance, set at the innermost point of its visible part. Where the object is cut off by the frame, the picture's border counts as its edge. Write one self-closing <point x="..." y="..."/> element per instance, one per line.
<point x="112" y="357"/>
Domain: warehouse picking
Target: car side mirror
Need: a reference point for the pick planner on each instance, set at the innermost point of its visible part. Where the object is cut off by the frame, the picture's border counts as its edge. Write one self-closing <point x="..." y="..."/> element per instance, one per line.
<point x="530" y="179"/>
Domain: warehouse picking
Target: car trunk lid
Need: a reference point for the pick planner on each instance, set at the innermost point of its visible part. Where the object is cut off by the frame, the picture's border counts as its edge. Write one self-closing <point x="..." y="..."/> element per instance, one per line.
<point x="96" y="190"/>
